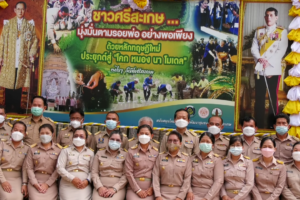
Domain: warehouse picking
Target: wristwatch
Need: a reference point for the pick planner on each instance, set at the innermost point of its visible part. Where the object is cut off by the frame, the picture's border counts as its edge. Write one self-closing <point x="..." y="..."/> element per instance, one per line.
<point x="114" y="189"/>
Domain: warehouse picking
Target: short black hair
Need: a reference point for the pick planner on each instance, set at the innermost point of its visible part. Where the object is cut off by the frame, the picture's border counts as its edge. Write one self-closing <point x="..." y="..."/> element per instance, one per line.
<point x="215" y="116"/>
<point x="39" y="97"/>
<point x="118" y="82"/>
<point x="211" y="37"/>
<point x="282" y="115"/>
<point x="64" y="9"/>
<point x="177" y="134"/>
<point x="49" y="126"/>
<point x="145" y="126"/>
<point x="265" y="139"/>
<point x="19" y="122"/>
<point x="113" y="112"/>
<point x="272" y="9"/>
<point x="247" y="119"/>
<point x="208" y="134"/>
<point x="296" y="144"/>
<point x="82" y="129"/>
<point x="181" y="109"/>
<point x="21" y="2"/>
<point x="234" y="139"/>
<point x="3" y="107"/>
<point x="76" y="110"/>
<point x="116" y="132"/>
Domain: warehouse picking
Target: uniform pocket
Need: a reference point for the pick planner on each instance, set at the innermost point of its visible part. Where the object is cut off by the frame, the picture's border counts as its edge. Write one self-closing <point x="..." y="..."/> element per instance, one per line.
<point x="54" y="157"/>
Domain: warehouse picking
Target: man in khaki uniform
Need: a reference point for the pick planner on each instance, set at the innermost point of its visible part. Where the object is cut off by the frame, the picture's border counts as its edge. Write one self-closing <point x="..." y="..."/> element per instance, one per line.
<point x="215" y="126"/>
<point x="37" y="119"/>
<point x="284" y="141"/>
<point x="251" y="143"/>
<point x="5" y="127"/>
<point x="65" y="135"/>
<point x="291" y="191"/>
<point x="190" y="141"/>
<point x="144" y="121"/>
<point x="101" y="138"/>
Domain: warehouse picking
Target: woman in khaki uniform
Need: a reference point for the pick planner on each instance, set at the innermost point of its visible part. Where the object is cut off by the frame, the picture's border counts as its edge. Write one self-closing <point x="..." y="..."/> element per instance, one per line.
<point x="291" y="191"/>
<point x="172" y="171"/>
<point x="74" y="166"/>
<point x="41" y="166"/>
<point x="239" y="172"/>
<point x="108" y="172"/>
<point x="207" y="171"/>
<point x="269" y="173"/>
<point x="139" y="165"/>
<point x="13" y="175"/>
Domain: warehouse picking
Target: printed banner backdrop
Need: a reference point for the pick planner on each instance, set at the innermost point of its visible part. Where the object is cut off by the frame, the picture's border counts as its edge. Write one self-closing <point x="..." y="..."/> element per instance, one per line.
<point x="167" y="56"/>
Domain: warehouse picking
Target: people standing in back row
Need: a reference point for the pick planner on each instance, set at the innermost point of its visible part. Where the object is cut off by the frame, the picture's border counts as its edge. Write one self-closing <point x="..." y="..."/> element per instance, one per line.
<point x="190" y="142"/>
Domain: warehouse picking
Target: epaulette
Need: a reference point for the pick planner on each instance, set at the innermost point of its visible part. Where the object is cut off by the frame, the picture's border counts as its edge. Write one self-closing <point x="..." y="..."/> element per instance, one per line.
<point x="216" y="155"/>
<point x="193" y="133"/>
<point x="185" y="154"/>
<point x="65" y="147"/>
<point x="226" y="138"/>
<point x="101" y="149"/>
<point x="260" y="27"/>
<point x="255" y="159"/>
<point x="49" y="119"/>
<point x="97" y="133"/>
<point x="89" y="133"/>
<point x="125" y="150"/>
<point x="33" y="145"/>
<point x="131" y="139"/>
<point x="124" y="135"/>
<point x="167" y="133"/>
<point x="155" y="141"/>
<point x="3" y="140"/>
<point x="31" y="22"/>
<point x="248" y="158"/>
<point x="155" y="148"/>
<point x="280" y="27"/>
<point x="224" y="158"/>
<point x="134" y="147"/>
<point x="91" y="149"/>
<point x="64" y="128"/>
<point x="59" y="146"/>
<point x="9" y="124"/>
<point x="295" y="138"/>
<point x="280" y="162"/>
<point x="162" y="152"/>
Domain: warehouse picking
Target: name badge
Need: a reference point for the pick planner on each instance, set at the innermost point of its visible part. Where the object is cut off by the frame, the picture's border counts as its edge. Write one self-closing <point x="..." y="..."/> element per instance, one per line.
<point x="120" y="156"/>
<point x="103" y="157"/>
<point x="275" y="168"/>
<point x="6" y="150"/>
<point x="289" y="171"/>
<point x="152" y="156"/>
<point x="165" y="160"/>
<point x="195" y="160"/>
<point x="36" y="153"/>
<point x="136" y="155"/>
<point x="257" y="167"/>
<point x="100" y="140"/>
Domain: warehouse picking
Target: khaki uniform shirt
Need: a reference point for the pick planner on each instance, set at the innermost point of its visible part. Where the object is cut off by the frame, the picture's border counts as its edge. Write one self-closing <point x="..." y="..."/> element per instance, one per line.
<point x="65" y="138"/>
<point x="70" y="159"/>
<point x="190" y="143"/>
<point x="5" y="132"/>
<point x="33" y="135"/>
<point x="101" y="140"/>
<point x="238" y="178"/>
<point x="252" y="150"/>
<point x="221" y="146"/>
<point x="134" y="141"/>
<point x="139" y="164"/>
<point x="207" y="173"/>
<point x="13" y="159"/>
<point x="41" y="160"/>
<point x="268" y="180"/>
<point x="172" y="172"/>
<point x="107" y="165"/>
<point x="284" y="148"/>
<point x="291" y="190"/>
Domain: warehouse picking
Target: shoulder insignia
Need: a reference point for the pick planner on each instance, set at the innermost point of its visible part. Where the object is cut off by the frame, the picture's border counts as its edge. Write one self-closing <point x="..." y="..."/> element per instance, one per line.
<point x="63" y="129"/>
<point x="97" y="133"/>
<point x="226" y="138"/>
<point x="155" y="148"/>
<point x="185" y="154"/>
<point x="216" y="155"/>
<point x="162" y="152"/>
<point x="193" y="133"/>
<point x="92" y="149"/>
<point x="3" y="140"/>
<point x="50" y="119"/>
<point x="134" y="147"/>
<point x="157" y="142"/>
<point x="124" y="135"/>
<point x="5" y="22"/>
<point x="255" y="159"/>
<point x="167" y="133"/>
<point x="131" y="139"/>
<point x="59" y="146"/>
<point x="125" y="150"/>
<point x="261" y="27"/>
<point x="101" y="149"/>
<point x="295" y="138"/>
<point x="248" y="158"/>
<point x="65" y="147"/>
<point x="280" y="162"/>
<point x="31" y="22"/>
<point x="33" y="145"/>
<point x="9" y="124"/>
<point x="89" y="132"/>
<point x="280" y="27"/>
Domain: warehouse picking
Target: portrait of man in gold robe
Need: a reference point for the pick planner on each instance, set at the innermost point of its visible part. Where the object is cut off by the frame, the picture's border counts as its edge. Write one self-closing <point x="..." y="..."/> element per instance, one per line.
<point x="18" y="49"/>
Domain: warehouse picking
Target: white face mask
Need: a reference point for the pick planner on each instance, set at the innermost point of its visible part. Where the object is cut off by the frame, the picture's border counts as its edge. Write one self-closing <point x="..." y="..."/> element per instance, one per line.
<point x="248" y="131"/>
<point x="78" y="142"/>
<point x="45" y="139"/>
<point x="75" y="124"/>
<point x="144" y="139"/>
<point x="17" y="136"/>
<point x="214" y="130"/>
<point x="296" y="155"/>
<point x="2" y="118"/>
<point x="181" y="123"/>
